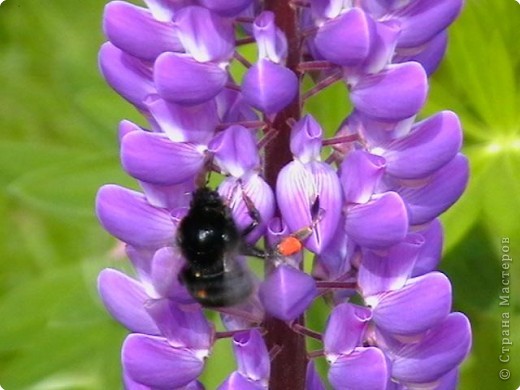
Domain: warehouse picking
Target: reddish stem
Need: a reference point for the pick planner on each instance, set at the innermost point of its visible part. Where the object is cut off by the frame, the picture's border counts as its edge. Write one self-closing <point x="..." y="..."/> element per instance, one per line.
<point x="288" y="368"/>
<point x="310" y="66"/>
<point x="244" y="19"/>
<point x="240" y="58"/>
<point x="307" y="332"/>
<point x="246" y="124"/>
<point x="340" y="140"/>
<point x="231" y="333"/>
<point x="244" y="41"/>
<point x="300" y="3"/>
<point x="322" y="85"/>
<point x="268" y="137"/>
<point x="335" y="284"/>
<point x="316" y="354"/>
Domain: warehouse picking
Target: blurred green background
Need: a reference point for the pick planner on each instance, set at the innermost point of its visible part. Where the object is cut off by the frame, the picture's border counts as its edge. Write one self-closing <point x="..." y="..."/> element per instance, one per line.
<point x="58" y="144"/>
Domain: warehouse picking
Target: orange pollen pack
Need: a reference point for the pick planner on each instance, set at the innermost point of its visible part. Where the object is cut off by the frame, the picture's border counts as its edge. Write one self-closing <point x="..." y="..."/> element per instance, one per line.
<point x="289" y="246"/>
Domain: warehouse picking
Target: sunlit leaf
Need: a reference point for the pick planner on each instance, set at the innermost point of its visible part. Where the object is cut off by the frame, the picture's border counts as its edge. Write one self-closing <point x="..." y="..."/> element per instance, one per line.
<point x="68" y="189"/>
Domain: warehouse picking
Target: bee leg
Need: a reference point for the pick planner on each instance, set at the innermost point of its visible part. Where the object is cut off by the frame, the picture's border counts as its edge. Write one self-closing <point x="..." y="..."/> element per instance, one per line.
<point x="316" y="215"/>
<point x="253" y="251"/>
<point x="293" y="243"/>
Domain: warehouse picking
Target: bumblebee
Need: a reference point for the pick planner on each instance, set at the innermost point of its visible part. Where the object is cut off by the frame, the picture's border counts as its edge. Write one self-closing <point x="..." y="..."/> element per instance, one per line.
<point x="211" y="243"/>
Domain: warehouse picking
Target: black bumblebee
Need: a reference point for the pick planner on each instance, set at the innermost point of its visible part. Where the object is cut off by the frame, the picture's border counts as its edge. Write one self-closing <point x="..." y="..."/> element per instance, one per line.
<point x="211" y="244"/>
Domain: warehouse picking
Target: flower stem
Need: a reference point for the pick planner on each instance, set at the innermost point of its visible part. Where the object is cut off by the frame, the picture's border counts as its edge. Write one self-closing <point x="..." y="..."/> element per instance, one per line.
<point x="307" y="332"/>
<point x="289" y="366"/>
<point x="322" y="85"/>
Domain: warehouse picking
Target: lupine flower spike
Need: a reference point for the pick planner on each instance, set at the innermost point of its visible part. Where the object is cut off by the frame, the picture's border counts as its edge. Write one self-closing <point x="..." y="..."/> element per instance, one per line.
<point x="364" y="202"/>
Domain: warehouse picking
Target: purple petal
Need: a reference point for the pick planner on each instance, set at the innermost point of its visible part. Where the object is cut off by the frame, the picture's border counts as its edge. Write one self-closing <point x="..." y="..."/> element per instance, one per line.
<point x="381" y="272"/>
<point x="270" y="40"/>
<point x="396" y="93"/>
<point x="269" y="87"/>
<point x="261" y="196"/>
<point x="232" y="107"/>
<point x="236" y="381"/>
<point x="346" y="40"/>
<point x="334" y="261"/>
<point x="365" y="368"/>
<point x="125" y="300"/>
<point x="153" y="158"/>
<point x="428" y="55"/>
<point x="235" y="151"/>
<point x="378" y="8"/>
<point x="153" y="362"/>
<point x="297" y="187"/>
<point x="423" y="19"/>
<point x="255" y="315"/>
<point x="449" y="381"/>
<point x="431" y="144"/>
<point x="181" y="79"/>
<point x="195" y="385"/>
<point x="442" y="189"/>
<point x="205" y="35"/>
<point x="252" y="356"/>
<point x="165" y="268"/>
<point x="383" y="46"/>
<point x="306" y="138"/>
<point x="277" y="229"/>
<point x="130" y="384"/>
<point x="377" y="132"/>
<point x="441" y="350"/>
<point x="312" y="378"/>
<point x="184" y="123"/>
<point x="141" y="259"/>
<point x="431" y="251"/>
<point x="162" y="10"/>
<point x="287" y="292"/>
<point x="325" y="9"/>
<point x="129" y="217"/>
<point x="226" y="7"/>
<point x="126" y="127"/>
<point x="170" y="197"/>
<point x="360" y="174"/>
<point x="127" y="75"/>
<point x="134" y="30"/>
<point x="183" y="327"/>
<point x="345" y="329"/>
<point x="380" y="223"/>
<point x="421" y="304"/>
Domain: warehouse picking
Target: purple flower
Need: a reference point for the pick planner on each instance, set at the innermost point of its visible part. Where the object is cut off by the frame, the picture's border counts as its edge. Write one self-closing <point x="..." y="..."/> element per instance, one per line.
<point x="268" y="85"/>
<point x="303" y="180"/>
<point x="364" y="203"/>
<point x="253" y="364"/>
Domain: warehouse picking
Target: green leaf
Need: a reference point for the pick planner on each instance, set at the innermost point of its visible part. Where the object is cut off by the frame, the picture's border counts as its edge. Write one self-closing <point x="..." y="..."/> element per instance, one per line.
<point x="474" y="271"/>
<point x="501" y="197"/>
<point x="38" y="300"/>
<point x="330" y="106"/>
<point x="481" y="370"/>
<point x="68" y="348"/>
<point x="465" y="212"/>
<point x="68" y="188"/>
<point x="479" y="71"/>
<point x="219" y="365"/>
<point x="17" y="158"/>
<point x="51" y="324"/>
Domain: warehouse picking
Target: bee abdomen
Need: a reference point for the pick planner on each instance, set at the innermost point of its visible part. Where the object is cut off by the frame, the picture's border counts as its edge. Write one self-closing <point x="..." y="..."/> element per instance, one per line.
<point x="221" y="289"/>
